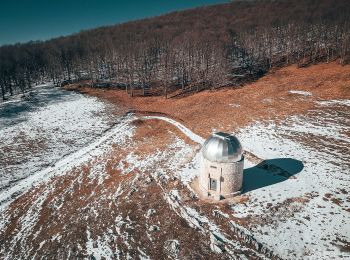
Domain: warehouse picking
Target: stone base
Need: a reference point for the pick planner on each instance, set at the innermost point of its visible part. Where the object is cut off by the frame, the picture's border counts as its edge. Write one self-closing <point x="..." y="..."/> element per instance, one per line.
<point x="231" y="195"/>
<point x="203" y="193"/>
<point x="208" y="195"/>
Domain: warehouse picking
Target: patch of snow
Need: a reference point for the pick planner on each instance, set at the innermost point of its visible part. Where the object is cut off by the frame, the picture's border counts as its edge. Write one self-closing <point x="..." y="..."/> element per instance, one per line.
<point x="188" y="170"/>
<point x="98" y="249"/>
<point x="172" y="246"/>
<point x="339" y="102"/>
<point x="217" y="212"/>
<point x="41" y="244"/>
<point x="150" y="212"/>
<point x="19" y="97"/>
<point x="300" y="92"/>
<point x="196" y="220"/>
<point x="143" y="255"/>
<point x="153" y="228"/>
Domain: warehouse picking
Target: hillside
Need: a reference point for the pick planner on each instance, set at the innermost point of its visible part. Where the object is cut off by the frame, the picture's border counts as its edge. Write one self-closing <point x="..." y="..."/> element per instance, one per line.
<point x="187" y="51"/>
<point x="101" y="136"/>
<point x="132" y="190"/>
<point x="266" y="99"/>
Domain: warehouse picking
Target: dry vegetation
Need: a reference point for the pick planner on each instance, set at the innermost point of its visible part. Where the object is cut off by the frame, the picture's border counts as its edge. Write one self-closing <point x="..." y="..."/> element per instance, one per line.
<point x="186" y="51"/>
<point x="132" y="207"/>
<point x="125" y="199"/>
<point x="230" y="108"/>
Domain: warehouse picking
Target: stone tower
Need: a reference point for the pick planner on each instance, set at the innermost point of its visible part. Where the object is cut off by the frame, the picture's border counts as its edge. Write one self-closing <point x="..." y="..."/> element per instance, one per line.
<point x="221" y="173"/>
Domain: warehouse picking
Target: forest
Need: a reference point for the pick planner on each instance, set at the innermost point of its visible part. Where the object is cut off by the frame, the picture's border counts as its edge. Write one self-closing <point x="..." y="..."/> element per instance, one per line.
<point x="180" y="52"/>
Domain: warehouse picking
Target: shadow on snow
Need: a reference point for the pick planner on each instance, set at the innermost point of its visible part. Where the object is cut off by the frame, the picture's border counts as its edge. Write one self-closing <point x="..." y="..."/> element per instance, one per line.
<point x="270" y="172"/>
<point x="11" y="112"/>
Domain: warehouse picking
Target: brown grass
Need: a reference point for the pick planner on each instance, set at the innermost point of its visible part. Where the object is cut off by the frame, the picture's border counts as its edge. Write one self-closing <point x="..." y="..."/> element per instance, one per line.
<point x="76" y="214"/>
<point x="200" y="112"/>
<point x="230" y="108"/>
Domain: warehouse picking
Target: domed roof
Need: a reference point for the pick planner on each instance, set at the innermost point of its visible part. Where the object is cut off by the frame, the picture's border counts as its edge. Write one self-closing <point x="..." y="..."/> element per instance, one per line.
<point x="221" y="147"/>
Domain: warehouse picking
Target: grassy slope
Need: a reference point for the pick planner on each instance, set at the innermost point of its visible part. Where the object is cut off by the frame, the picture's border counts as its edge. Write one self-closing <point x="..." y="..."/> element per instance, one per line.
<point x="232" y="108"/>
<point x="99" y="201"/>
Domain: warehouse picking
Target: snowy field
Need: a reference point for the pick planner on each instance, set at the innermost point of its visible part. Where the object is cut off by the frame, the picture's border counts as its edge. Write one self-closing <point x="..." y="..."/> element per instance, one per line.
<point x="110" y="178"/>
<point x="46" y="126"/>
<point x="305" y="215"/>
<point x="85" y="163"/>
<point x="299" y="200"/>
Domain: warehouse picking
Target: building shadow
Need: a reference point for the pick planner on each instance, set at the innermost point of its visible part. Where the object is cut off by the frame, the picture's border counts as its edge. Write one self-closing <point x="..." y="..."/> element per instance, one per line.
<point x="270" y="172"/>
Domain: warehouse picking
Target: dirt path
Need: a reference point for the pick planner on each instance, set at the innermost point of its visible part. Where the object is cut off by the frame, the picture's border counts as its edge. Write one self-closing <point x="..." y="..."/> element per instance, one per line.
<point x="81" y="156"/>
<point x="194" y="137"/>
<point x="61" y="166"/>
<point x="138" y="187"/>
<point x="135" y="186"/>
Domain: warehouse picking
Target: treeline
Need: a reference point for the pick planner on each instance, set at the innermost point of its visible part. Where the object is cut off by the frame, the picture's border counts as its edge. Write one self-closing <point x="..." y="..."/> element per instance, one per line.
<point x="185" y="51"/>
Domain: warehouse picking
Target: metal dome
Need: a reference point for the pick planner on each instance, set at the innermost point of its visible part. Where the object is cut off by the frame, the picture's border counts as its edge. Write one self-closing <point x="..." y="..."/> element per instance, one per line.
<point x="221" y="147"/>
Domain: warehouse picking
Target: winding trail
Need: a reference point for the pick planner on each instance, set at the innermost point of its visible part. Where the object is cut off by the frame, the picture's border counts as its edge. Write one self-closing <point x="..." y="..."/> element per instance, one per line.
<point x="7" y="195"/>
<point x="194" y="137"/>
<point x="64" y="164"/>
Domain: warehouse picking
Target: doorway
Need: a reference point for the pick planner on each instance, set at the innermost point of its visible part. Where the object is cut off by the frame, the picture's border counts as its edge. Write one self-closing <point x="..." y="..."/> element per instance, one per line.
<point x="213" y="184"/>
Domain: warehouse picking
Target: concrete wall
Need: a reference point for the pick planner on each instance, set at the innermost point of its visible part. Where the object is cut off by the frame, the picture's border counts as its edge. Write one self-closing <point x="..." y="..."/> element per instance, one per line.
<point x="228" y="176"/>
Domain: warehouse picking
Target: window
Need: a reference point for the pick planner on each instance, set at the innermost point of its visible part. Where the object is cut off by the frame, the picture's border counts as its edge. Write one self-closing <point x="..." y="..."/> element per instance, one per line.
<point x="213" y="184"/>
<point x="212" y="166"/>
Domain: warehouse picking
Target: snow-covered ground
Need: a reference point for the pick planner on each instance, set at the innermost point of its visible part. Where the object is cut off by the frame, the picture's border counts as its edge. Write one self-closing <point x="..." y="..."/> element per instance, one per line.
<point x="134" y="178"/>
<point x="86" y="163"/>
<point x="48" y="125"/>
<point x="306" y="215"/>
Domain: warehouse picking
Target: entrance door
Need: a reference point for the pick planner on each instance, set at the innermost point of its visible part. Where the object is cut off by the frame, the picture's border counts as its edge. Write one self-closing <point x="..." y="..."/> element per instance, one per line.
<point x="213" y="184"/>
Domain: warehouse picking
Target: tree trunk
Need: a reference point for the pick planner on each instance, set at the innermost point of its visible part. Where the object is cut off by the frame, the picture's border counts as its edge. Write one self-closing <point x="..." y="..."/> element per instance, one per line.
<point x="166" y="91"/>
<point x="10" y="87"/>
<point x="2" y="91"/>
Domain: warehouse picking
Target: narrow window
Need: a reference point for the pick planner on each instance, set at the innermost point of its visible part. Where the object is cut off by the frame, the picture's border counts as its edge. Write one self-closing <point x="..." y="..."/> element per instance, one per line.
<point x="212" y="166"/>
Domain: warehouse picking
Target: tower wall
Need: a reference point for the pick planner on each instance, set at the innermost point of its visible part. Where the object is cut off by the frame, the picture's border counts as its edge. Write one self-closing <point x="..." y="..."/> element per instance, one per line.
<point x="227" y="178"/>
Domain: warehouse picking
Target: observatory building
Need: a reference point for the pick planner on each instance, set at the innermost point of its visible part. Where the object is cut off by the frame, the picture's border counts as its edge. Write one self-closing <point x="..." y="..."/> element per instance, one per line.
<point x="221" y="173"/>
